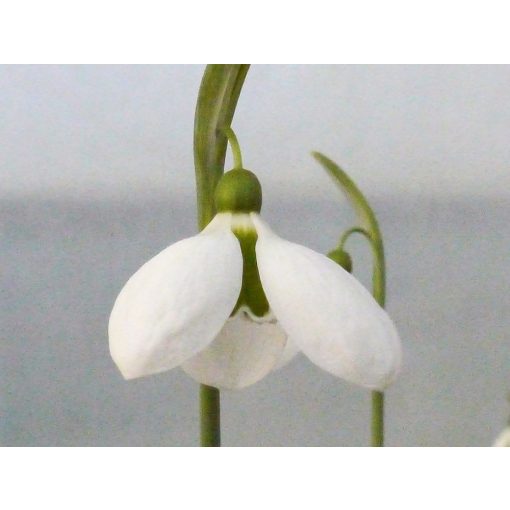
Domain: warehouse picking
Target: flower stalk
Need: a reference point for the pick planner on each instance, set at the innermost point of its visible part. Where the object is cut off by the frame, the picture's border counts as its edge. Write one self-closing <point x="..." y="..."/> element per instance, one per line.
<point x="217" y="99"/>
<point x="369" y="228"/>
<point x="210" y="425"/>
<point x="235" y="147"/>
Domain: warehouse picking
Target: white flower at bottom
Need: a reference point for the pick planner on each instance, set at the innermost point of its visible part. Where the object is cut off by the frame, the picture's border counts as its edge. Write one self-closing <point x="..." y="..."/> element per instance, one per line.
<point x="182" y="308"/>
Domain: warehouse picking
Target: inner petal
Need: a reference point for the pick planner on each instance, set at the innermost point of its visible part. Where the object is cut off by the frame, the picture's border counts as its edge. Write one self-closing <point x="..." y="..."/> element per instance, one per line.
<point x="243" y="353"/>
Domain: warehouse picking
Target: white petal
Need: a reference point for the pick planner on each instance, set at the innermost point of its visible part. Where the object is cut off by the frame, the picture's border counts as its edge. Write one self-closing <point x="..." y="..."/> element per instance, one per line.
<point x="244" y="352"/>
<point x="176" y="303"/>
<point x="504" y="438"/>
<point x="331" y="317"/>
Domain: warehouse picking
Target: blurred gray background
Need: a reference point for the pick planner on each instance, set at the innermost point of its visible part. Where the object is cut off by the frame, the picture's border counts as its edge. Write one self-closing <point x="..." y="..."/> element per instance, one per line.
<point x="97" y="176"/>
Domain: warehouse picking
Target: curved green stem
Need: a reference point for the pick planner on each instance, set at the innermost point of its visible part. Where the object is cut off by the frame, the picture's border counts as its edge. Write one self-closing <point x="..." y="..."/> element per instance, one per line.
<point x="217" y="99"/>
<point x="234" y="145"/>
<point x="353" y="230"/>
<point x="370" y="229"/>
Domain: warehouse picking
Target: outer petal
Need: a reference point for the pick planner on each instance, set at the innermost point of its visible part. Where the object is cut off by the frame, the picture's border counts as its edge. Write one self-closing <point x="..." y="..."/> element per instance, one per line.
<point x="176" y="303"/>
<point x="244" y="352"/>
<point x="331" y="317"/>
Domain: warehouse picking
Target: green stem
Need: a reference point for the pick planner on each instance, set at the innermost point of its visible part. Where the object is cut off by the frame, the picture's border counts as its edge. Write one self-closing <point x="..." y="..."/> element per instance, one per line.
<point x="217" y="99"/>
<point x="379" y="293"/>
<point x="210" y="426"/>
<point x="377" y="425"/>
<point x="370" y="229"/>
<point x="234" y="145"/>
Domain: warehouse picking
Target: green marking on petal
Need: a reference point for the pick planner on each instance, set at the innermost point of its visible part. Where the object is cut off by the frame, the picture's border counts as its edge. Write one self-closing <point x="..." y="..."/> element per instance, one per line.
<point x="252" y="294"/>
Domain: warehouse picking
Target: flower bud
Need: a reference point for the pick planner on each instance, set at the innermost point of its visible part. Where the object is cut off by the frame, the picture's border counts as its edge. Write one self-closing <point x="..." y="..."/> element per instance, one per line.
<point x="238" y="191"/>
<point x="342" y="258"/>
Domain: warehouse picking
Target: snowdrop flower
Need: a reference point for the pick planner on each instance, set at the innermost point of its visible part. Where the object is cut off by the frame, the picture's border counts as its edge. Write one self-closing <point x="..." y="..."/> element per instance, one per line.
<point x="236" y="301"/>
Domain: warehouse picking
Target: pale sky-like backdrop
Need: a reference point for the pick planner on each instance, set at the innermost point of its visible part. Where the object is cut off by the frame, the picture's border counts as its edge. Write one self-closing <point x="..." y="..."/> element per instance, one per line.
<point x="84" y="131"/>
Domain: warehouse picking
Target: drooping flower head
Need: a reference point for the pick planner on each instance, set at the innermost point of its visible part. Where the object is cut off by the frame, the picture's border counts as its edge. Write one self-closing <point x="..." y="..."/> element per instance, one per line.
<point x="237" y="301"/>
